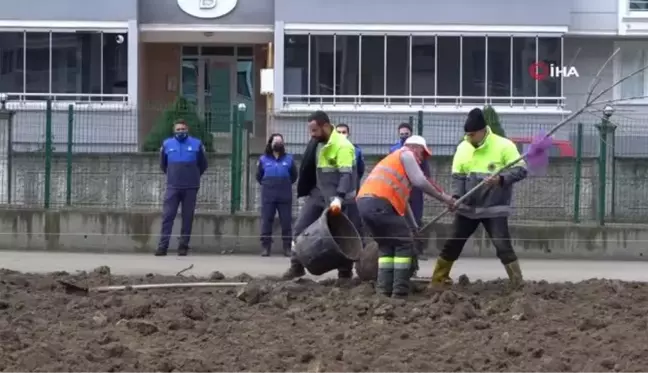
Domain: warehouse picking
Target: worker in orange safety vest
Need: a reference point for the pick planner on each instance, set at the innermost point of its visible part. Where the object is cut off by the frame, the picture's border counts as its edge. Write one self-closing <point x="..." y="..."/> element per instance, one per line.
<point x="384" y="208"/>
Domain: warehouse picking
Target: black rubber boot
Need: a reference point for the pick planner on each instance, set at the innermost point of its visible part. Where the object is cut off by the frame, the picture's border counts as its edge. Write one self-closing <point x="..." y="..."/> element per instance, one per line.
<point x="160" y="252"/>
<point x="296" y="270"/>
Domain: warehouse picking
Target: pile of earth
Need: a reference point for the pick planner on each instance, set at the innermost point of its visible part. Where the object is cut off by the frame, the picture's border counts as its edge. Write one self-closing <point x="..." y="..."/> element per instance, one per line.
<point x="269" y="325"/>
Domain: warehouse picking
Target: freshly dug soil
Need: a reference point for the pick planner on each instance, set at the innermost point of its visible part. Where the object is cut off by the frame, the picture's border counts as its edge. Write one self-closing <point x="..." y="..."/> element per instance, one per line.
<point x="302" y="325"/>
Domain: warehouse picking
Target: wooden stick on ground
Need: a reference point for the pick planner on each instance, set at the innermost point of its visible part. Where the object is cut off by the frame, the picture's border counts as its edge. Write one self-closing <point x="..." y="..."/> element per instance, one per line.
<point x="184" y="270"/>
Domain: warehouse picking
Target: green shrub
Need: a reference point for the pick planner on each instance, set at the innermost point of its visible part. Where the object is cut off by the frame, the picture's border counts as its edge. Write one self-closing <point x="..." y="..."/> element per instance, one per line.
<point x="493" y="121"/>
<point x="163" y="128"/>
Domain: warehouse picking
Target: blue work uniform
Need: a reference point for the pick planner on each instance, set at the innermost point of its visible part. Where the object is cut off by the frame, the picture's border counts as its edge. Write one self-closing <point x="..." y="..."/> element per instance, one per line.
<point x="360" y="165"/>
<point x="183" y="162"/>
<point x="416" y="196"/>
<point x="276" y="176"/>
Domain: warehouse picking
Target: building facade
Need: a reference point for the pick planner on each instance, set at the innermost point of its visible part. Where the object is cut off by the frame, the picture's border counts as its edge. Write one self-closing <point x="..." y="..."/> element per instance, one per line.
<point x="370" y="62"/>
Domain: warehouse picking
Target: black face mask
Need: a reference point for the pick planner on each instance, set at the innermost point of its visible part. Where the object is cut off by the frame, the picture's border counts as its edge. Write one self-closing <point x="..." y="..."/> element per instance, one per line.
<point x="403" y="138"/>
<point x="279" y="148"/>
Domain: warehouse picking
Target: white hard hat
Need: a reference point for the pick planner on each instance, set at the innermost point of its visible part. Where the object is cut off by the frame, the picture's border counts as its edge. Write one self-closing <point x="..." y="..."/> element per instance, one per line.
<point x="418" y="140"/>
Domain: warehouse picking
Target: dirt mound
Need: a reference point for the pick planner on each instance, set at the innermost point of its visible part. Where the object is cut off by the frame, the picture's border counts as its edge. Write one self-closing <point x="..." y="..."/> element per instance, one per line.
<point x="268" y="325"/>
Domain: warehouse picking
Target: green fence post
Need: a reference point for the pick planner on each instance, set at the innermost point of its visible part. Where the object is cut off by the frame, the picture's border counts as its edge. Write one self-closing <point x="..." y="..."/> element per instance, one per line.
<point x="48" y="153"/>
<point x="238" y="116"/>
<point x="578" y="172"/>
<point x="419" y="123"/>
<point x="240" y="123"/>
<point x="234" y="161"/>
<point x="612" y="164"/>
<point x="248" y="177"/>
<point x="68" y="168"/>
<point x="605" y="128"/>
<point x="8" y="116"/>
<point x="600" y="211"/>
<point x="410" y="120"/>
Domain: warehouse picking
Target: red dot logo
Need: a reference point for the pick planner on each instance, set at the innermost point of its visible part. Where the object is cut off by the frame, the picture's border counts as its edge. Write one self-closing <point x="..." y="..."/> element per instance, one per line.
<point x="539" y="70"/>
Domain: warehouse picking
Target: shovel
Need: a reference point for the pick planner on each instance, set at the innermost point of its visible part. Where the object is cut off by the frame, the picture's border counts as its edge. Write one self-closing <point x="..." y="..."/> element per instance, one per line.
<point x="79" y="290"/>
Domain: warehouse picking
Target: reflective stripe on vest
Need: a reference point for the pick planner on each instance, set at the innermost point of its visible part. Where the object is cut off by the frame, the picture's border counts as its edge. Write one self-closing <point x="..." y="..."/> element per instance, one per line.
<point x="388" y="180"/>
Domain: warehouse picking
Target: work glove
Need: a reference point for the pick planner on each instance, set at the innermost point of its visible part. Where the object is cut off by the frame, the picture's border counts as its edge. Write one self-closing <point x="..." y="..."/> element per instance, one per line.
<point x="450" y="202"/>
<point x="335" y="207"/>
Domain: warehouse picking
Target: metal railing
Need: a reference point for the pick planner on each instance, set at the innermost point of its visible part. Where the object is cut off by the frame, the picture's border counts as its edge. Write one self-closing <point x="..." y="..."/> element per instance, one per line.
<point x="91" y="158"/>
<point x="371" y="101"/>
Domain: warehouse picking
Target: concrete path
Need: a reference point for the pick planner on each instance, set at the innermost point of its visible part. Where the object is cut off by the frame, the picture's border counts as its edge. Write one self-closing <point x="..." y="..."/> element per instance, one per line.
<point x="484" y="269"/>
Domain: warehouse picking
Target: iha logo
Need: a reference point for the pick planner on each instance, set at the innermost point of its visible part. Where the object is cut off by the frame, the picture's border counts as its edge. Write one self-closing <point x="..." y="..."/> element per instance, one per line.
<point x="542" y="71"/>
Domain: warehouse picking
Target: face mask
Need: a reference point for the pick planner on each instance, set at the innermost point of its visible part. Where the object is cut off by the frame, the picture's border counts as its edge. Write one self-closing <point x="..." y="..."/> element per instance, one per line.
<point x="279" y="148"/>
<point x="403" y="137"/>
<point x="181" y="136"/>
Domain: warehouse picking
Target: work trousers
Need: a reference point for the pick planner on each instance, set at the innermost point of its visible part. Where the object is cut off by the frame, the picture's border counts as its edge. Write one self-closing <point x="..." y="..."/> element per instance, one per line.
<point x="496" y="228"/>
<point x="311" y="211"/>
<point x="416" y="203"/>
<point x="268" y="211"/>
<point x="395" y="245"/>
<point x="172" y="200"/>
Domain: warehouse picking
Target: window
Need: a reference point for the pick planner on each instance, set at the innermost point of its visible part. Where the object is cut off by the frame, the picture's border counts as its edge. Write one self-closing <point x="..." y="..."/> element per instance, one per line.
<point x="419" y="70"/>
<point x="633" y="57"/>
<point x="78" y="66"/>
<point x="638" y="5"/>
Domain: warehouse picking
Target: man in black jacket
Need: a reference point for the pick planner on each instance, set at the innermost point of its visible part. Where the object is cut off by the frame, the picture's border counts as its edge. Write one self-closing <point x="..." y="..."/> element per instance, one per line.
<point x="320" y="186"/>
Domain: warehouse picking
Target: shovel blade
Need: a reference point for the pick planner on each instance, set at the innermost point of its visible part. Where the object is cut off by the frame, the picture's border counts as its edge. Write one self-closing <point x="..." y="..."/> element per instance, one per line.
<point x="73" y="289"/>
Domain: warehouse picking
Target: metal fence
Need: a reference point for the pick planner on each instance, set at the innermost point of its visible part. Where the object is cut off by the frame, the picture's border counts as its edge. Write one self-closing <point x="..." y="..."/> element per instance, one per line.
<point x="57" y="157"/>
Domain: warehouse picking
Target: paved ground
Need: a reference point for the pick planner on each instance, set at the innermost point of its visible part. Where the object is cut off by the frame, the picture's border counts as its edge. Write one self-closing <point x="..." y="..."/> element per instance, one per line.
<point x="484" y="269"/>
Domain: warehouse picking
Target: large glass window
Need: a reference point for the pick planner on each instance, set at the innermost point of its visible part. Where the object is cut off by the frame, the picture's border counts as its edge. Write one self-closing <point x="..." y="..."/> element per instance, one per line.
<point x="78" y="66"/>
<point x="638" y="5"/>
<point x="420" y="70"/>
<point x="632" y="58"/>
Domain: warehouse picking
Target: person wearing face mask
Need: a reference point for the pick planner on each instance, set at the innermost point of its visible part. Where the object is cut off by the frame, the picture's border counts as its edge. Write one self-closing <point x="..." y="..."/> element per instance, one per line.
<point x="477" y="158"/>
<point x="343" y="129"/>
<point x="183" y="160"/>
<point x="384" y="208"/>
<point x="276" y="172"/>
<point x="416" y="197"/>
<point x="328" y="176"/>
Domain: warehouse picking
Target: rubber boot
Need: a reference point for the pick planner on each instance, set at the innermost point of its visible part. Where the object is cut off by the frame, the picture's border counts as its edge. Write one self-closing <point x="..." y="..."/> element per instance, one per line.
<point x="296" y="270"/>
<point x="265" y="252"/>
<point x="514" y="273"/>
<point x="160" y="252"/>
<point x="441" y="274"/>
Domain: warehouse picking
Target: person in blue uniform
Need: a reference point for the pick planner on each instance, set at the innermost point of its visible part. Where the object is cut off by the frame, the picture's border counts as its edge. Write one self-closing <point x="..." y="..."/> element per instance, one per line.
<point x="416" y="196"/>
<point x="183" y="160"/>
<point x="343" y="129"/>
<point x="276" y="172"/>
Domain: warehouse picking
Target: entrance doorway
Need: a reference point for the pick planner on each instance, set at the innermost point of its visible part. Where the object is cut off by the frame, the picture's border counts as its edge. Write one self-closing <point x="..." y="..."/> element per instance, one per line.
<point x="214" y="83"/>
<point x="219" y="90"/>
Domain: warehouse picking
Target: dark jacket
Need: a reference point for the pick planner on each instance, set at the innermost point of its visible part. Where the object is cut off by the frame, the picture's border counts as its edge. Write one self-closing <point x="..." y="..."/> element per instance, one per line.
<point x="276" y="176"/>
<point x="308" y="170"/>
<point x="359" y="163"/>
<point x="183" y="162"/>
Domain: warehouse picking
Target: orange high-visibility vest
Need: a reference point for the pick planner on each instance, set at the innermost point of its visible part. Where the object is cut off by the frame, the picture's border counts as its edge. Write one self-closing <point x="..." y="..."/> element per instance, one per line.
<point x="388" y="180"/>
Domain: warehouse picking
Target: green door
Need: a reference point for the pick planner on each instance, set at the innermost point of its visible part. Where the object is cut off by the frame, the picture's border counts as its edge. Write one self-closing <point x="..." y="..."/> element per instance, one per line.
<point x="218" y="96"/>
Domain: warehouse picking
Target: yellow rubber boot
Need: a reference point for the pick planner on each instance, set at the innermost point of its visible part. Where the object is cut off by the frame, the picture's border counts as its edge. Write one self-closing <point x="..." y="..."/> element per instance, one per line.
<point x="441" y="275"/>
<point x="514" y="273"/>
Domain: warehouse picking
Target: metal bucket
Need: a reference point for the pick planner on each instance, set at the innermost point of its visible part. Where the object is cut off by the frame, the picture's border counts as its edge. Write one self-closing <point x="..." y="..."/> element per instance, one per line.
<point x="328" y="244"/>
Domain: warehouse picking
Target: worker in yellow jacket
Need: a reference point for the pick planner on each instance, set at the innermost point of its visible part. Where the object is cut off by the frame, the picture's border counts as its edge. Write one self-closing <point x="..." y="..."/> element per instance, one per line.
<point x="478" y="157"/>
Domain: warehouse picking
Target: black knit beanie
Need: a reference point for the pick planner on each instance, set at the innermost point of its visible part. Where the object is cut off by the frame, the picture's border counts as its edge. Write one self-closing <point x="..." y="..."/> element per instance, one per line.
<point x="475" y="121"/>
